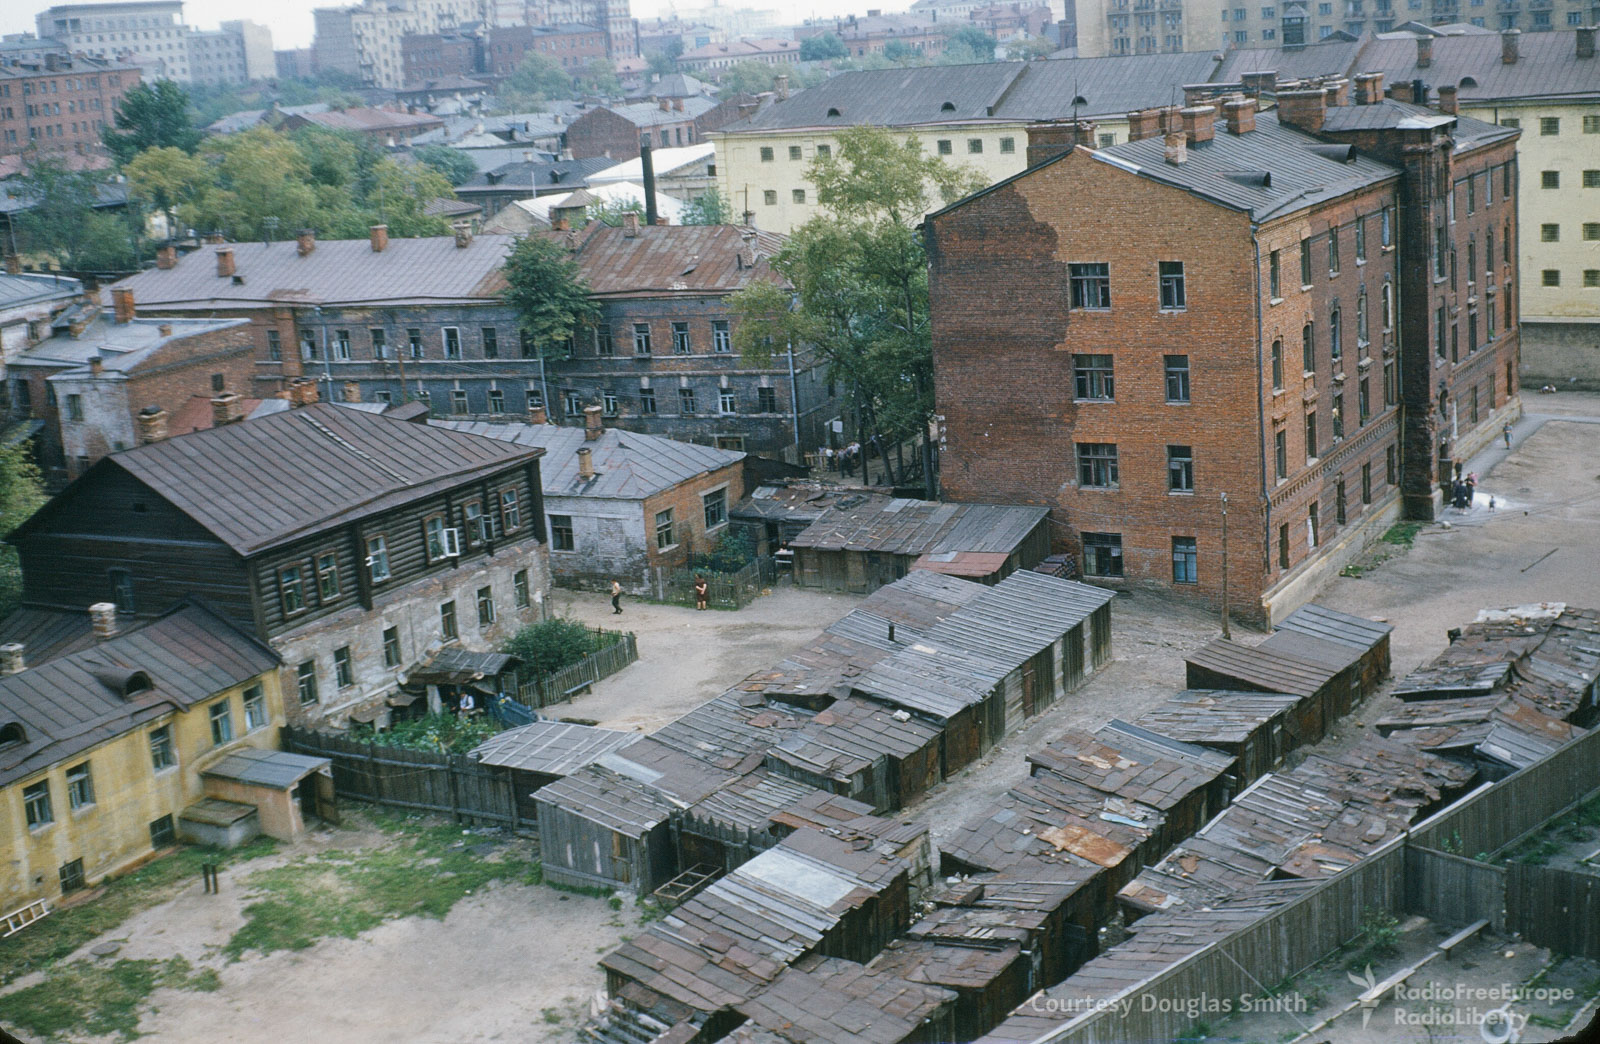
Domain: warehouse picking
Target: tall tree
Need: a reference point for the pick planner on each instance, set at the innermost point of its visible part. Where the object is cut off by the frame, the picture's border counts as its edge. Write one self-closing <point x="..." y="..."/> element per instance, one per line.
<point x="455" y="165"/>
<point x="708" y="208"/>
<point x="860" y="274"/>
<point x="823" y="47"/>
<point x="600" y="77"/>
<point x="168" y="178"/>
<point x="258" y="174"/>
<point x="151" y="116"/>
<point x="533" y="81"/>
<point x="21" y="494"/>
<point x="546" y="287"/>
<point x="64" y="225"/>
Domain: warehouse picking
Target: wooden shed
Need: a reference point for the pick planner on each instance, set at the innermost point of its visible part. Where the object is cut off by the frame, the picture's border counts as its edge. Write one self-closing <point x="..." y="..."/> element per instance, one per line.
<point x="988" y="981"/>
<point x="1257" y="729"/>
<point x="1050" y="901"/>
<point x="862" y="750"/>
<point x="1324" y="690"/>
<point x="534" y="755"/>
<point x="825" y="1000"/>
<point x="1368" y="637"/>
<point x="601" y="829"/>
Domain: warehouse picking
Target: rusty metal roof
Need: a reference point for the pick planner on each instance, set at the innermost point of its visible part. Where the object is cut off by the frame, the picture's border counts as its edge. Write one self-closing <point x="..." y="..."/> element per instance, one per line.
<point x="1217" y="716"/>
<point x="671" y="260"/>
<point x="1133" y="763"/>
<point x="826" y="1000"/>
<point x="851" y="735"/>
<point x="916" y="527"/>
<point x="958" y="967"/>
<point x="1259" y="668"/>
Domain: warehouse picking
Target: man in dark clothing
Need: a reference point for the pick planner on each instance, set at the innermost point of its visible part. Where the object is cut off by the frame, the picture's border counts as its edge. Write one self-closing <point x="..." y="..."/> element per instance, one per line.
<point x="616" y="598"/>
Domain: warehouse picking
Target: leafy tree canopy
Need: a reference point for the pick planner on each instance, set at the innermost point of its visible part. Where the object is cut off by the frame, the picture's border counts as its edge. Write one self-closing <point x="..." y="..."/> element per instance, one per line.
<point x="970" y="40"/>
<point x="600" y="77"/>
<point x="64" y="226"/>
<point x="1027" y="50"/>
<point x="547" y="289"/>
<point x="21" y="494"/>
<point x="821" y="48"/>
<point x="456" y="166"/>
<point x="708" y="208"/>
<point x="758" y="77"/>
<point x="149" y="116"/>
<point x="532" y="82"/>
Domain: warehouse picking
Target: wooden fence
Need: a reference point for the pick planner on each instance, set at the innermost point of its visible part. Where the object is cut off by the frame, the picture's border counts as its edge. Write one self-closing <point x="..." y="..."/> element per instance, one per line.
<point x="1454" y="890"/>
<point x="1554" y="908"/>
<point x="724" y="590"/>
<point x="415" y="780"/>
<point x="563" y="684"/>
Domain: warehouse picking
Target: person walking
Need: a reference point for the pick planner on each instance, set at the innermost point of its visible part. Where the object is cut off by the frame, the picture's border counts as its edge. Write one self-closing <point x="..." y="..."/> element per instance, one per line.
<point x="1506" y="431"/>
<point x="702" y="591"/>
<point x="616" y="598"/>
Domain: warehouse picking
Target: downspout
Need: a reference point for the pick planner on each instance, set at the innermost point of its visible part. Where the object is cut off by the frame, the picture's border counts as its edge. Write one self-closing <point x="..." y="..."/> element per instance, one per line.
<point x="1261" y="408"/>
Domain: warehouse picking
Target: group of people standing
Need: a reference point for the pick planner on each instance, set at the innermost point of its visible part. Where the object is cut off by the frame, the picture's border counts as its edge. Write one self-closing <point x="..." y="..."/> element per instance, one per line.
<point x="841" y="459"/>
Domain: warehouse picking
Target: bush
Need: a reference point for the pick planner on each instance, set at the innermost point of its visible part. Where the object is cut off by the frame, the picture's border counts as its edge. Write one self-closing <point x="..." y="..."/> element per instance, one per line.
<point x="440" y="733"/>
<point x="732" y="553"/>
<point x="549" y="645"/>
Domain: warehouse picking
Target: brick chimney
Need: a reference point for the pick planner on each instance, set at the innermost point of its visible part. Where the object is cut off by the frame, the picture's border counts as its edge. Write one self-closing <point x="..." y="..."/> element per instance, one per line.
<point x="215" y="238"/>
<point x="1510" y="40"/>
<point x="1046" y="141"/>
<point x="1337" y="92"/>
<point x="1303" y="108"/>
<point x="166" y="256"/>
<point x="537" y="415"/>
<point x="380" y="237"/>
<point x="97" y="366"/>
<point x="1177" y="148"/>
<point x="585" y="463"/>
<point x="1424" y="52"/>
<point x="13" y="658"/>
<point x="1585" y="38"/>
<point x="1401" y="90"/>
<point x="305" y="241"/>
<point x="630" y="224"/>
<point x="665" y="104"/>
<point x="352" y="391"/>
<point x="463" y="237"/>
<point x="303" y="392"/>
<point x="225" y="409"/>
<point x="1240" y="115"/>
<point x="594" y="424"/>
<point x="780" y="86"/>
<point x="1260" y="82"/>
<point x="1448" y="99"/>
<point x="103" y="618"/>
<point x="677" y="105"/>
<point x="1199" y="123"/>
<point x="1146" y="123"/>
<point x="13" y="264"/>
<point x="747" y="249"/>
<point x="122" y="308"/>
<point x="152" y="424"/>
<point x="1369" y="88"/>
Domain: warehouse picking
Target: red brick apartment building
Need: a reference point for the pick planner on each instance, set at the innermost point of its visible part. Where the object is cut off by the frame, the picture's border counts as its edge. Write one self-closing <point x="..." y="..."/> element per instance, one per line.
<point x="60" y="103"/>
<point x="1308" y="310"/>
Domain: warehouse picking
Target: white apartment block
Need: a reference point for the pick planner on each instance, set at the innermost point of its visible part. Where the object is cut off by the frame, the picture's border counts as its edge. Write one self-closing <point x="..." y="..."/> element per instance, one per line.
<point x="152" y="35"/>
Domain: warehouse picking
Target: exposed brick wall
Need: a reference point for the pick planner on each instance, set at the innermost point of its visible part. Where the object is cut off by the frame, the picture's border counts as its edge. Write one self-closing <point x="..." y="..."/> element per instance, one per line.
<point x="688" y="516"/>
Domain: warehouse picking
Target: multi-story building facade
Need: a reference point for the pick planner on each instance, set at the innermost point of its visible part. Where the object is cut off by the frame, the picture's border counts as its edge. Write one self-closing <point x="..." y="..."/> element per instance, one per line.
<point x="437" y="56"/>
<point x="971" y="115"/>
<point x="709" y="59"/>
<point x="1314" y="330"/>
<point x="612" y="16"/>
<point x="614" y="131"/>
<point x="353" y="544"/>
<point x="571" y="45"/>
<point x="60" y="103"/>
<point x="152" y="35"/>
<point x="29" y="303"/>
<point x="365" y="40"/>
<point x="870" y="34"/>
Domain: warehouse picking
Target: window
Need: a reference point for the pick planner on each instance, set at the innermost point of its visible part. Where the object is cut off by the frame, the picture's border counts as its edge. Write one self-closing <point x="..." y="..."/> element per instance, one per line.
<point x="608" y="403"/>
<point x="485" y="606"/>
<point x="1550" y="179"/>
<point x="414" y="341"/>
<point x="794" y="152"/>
<point x="1008" y="146"/>
<point x="1185" y="561"/>
<point x="291" y="590"/>
<point x="1362" y="332"/>
<point x="491" y="342"/>
<point x="341" y="345"/>
<point x="1097" y="465"/>
<point x="1313" y="526"/>
<point x="519" y="588"/>
<point x="1549" y="233"/>
<point x="1549" y="126"/>
<point x="1102" y="554"/>
<point x="944" y="147"/>
<point x="1591" y="279"/>
<point x="74" y="407"/>
<point x="1305" y="262"/>
<point x="725" y="401"/>
<point x="1274" y="276"/>
<point x="1388" y="305"/>
<point x="36" y="804"/>
<point x="1308" y="348"/>
<point x="664" y="530"/>
<point x="715" y="504"/>
<point x="305" y="676"/>
<point x="447" y="620"/>
<point x="1591" y="231"/>
<point x="766" y="154"/>
<point x="433" y="529"/>
<point x="221" y="722"/>
<point x="380" y="348"/>
<point x="327" y="577"/>
<point x="162" y="832"/>
<point x="721" y="339"/>
<point x="1091" y="285"/>
<point x="255" y="708"/>
<point x="1338" y="502"/>
<point x="1172" y="290"/>
<point x="825" y="151"/>
<point x="769" y="197"/>
<point x="1280" y="449"/>
<point x="647" y="400"/>
<point x="680" y="338"/>
<point x="766" y="400"/>
<point x="561" y="533"/>
<point x="641" y="338"/>
<point x="80" y="787"/>
<point x="1363" y="401"/>
<point x="1385" y="227"/>
<point x="1335" y="335"/>
<point x="797" y="195"/>
<point x="1277" y="365"/>
<point x="377" y="559"/>
<point x="274" y="345"/>
<point x="458" y="402"/>
<point x="1092" y="376"/>
<point x="391" y="647"/>
<point x="1333" y="251"/>
<point x="1311" y="435"/>
<point x="1180" y="469"/>
<point x="497" y="400"/>
<point x="1361" y="239"/>
<point x="1550" y="277"/>
<point x="1338" y="414"/>
<point x="510" y="510"/>
<point x="1176" y="369"/>
<point x="1591" y="125"/>
<point x="573" y="403"/>
<point x="71" y="875"/>
<point x="1283" y="546"/>
<point x="1440" y="249"/>
<point x="686" y="401"/>
<point x="1438" y="332"/>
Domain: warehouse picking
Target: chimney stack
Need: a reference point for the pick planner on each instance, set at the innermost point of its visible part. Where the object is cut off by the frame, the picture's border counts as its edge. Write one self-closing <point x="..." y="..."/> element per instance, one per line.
<point x="215" y="238"/>
<point x="1337" y="92"/>
<point x="536" y="415"/>
<point x="585" y="463"/>
<point x="1260" y="82"/>
<point x="1240" y="115"/>
<point x="780" y="86"/>
<point x="166" y="256"/>
<point x="103" y="618"/>
<point x="1199" y="123"/>
<point x="630" y="224"/>
<point x="352" y="391"/>
<point x="594" y="424"/>
<point x="225" y="409"/>
<point x="1057" y="138"/>
<point x="380" y="237"/>
<point x="1177" y="148"/>
<point x="463" y="237"/>
<point x="305" y="242"/>
<point x="1303" y="108"/>
<point x="1585" y="36"/>
<point x="1448" y="99"/>
<point x="152" y="424"/>
<point x="303" y="392"/>
<point x="1369" y="88"/>
<point x="747" y="248"/>
<point x="12" y="658"/>
<point x="666" y="104"/>
<point x="13" y="264"/>
<point x="122" y="304"/>
<point x="1424" y="52"/>
<point x="97" y="366"/>
<point x="1509" y="41"/>
<point x="1146" y="123"/>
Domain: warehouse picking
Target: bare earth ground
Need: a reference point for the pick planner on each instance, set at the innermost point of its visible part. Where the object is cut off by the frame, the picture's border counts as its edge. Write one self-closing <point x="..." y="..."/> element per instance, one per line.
<point x="505" y="957"/>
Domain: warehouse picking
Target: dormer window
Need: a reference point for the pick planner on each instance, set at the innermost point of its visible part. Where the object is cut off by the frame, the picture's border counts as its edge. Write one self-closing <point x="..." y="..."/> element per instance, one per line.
<point x="12" y="734"/>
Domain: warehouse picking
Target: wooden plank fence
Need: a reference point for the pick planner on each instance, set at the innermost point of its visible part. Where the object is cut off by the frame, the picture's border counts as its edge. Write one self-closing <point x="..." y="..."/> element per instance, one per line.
<point x="1453" y="889"/>
<point x="562" y="685"/>
<point x="728" y="590"/>
<point x="414" y="780"/>
<point x="1554" y="908"/>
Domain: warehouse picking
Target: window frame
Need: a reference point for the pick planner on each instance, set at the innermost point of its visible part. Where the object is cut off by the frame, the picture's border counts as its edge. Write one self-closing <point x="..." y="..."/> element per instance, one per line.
<point x="520" y="592"/>
<point x="718" y="499"/>
<point x="1093" y="378"/>
<point x="344" y="668"/>
<point x="562" y="536"/>
<point x="377" y="546"/>
<point x="1180" y="469"/>
<point x="486" y="611"/>
<point x="509" y="502"/>
<point x="1177" y="379"/>
<point x="1111" y="545"/>
<point x="220" y="716"/>
<point x="254" y="700"/>
<point x="1185" y="560"/>
<point x="38" y="807"/>
<point x="1086" y="286"/>
<point x="393" y="657"/>
<point x="305" y="682"/>
<point x="664" y="525"/>
<point x="80" y="787"/>
<point x="1172" y="287"/>
<point x="449" y="624"/>
<point x="326" y="565"/>
<point x="680" y="338"/>
<point x="291" y="590"/>
<point x="641" y="339"/>
<point x="1098" y="465"/>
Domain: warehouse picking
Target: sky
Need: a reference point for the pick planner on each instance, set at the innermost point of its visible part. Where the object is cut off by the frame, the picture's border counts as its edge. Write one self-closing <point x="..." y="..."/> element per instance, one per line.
<point x="290" y="20"/>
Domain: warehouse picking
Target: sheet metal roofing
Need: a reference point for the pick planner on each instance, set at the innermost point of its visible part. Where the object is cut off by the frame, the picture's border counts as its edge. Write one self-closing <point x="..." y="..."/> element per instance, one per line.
<point x="342" y="464"/>
<point x="1216" y="716"/>
<point x="122" y="348"/>
<point x="85" y="698"/>
<point x="276" y="769"/>
<point x="628" y="465"/>
<point x="18" y="291"/>
<point x="834" y="1001"/>
<point x="1327" y="58"/>
<point x="1467" y="132"/>
<point x="1547" y="66"/>
<point x="915" y="527"/>
<point x="550" y="748"/>
<point x="1259" y="668"/>
<point x="1132" y="763"/>
<point x="425" y="271"/>
<point x="1358" y="632"/>
<point x="608" y="799"/>
<point x="672" y="259"/>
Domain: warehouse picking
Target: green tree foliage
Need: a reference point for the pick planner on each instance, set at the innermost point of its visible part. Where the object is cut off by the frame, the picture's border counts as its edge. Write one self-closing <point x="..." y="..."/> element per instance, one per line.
<point x="821" y="48"/>
<point x="901" y="53"/>
<point x="256" y="174"/>
<point x="968" y="45"/>
<point x="167" y="179"/>
<point x="150" y="116"/>
<point x="546" y="287"/>
<point x="600" y="77"/>
<point x="748" y="78"/>
<point x="549" y="645"/>
<point x="708" y="208"/>
<point x="63" y="225"/>
<point x="874" y="60"/>
<point x="21" y="494"/>
<point x="664" y="64"/>
<point x="610" y="211"/>
<point x="861" y="277"/>
<point x="533" y="81"/>
<point x="1027" y="50"/>
<point x="456" y="166"/>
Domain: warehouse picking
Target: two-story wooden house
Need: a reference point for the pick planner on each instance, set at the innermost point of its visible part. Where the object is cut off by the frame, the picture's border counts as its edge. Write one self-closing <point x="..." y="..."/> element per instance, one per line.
<point x="351" y="542"/>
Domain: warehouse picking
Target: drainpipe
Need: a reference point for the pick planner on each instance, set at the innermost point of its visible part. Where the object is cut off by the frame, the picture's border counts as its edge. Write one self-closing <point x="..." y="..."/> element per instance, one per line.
<point x="1261" y="410"/>
<point x="794" y="406"/>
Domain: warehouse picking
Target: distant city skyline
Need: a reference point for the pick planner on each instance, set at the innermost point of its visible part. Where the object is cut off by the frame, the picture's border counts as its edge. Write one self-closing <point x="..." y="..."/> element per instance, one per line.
<point x="291" y="23"/>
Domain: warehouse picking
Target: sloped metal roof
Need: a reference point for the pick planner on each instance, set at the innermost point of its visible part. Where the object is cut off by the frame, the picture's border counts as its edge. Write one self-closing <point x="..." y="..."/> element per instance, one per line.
<point x="1318" y="621"/>
<point x="1325" y="58"/>
<point x="1547" y="66"/>
<point x="550" y="748"/>
<point x="916" y="527"/>
<point x="277" y="769"/>
<point x="19" y="290"/>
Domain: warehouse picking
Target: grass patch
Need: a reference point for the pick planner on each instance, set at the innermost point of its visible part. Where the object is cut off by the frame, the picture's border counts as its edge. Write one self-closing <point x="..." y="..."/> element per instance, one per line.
<point x="423" y="872"/>
<point x="94" y="999"/>
<point x="1570" y="829"/>
<point x="64" y="931"/>
<point x="1379" y="938"/>
<point x="1403" y="534"/>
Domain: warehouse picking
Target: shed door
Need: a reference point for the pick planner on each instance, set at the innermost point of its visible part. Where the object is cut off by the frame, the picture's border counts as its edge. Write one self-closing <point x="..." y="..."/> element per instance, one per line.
<point x="1030" y="689"/>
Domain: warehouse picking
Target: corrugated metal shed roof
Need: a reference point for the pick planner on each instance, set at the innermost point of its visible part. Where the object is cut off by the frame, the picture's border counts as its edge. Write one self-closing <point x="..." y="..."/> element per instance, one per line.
<point x="850" y="734"/>
<point x="833" y="1001"/>
<point x="16" y="291"/>
<point x="277" y="769"/>
<point x="84" y="698"/>
<point x="1133" y="763"/>
<point x="1261" y="668"/>
<point x="550" y="748"/>
<point x="342" y="465"/>
<point x="915" y="527"/>
<point x="1021" y="615"/>
<point x="730" y="728"/>
<point x="608" y="799"/>
<point x="1335" y="656"/>
<point x="1318" y="621"/>
<point x="628" y="465"/>
<point x="1217" y="716"/>
<point x="1326" y="58"/>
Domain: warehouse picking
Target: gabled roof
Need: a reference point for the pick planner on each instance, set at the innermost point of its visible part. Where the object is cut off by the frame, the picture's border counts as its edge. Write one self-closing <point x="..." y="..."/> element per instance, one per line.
<point x="85" y="698"/>
<point x="532" y="176"/>
<point x="628" y="465"/>
<point x="17" y="291"/>
<point x="651" y="114"/>
<point x="892" y="98"/>
<point x="671" y="259"/>
<point x="261" y="483"/>
<point x="915" y="527"/>
<point x="1325" y="58"/>
<point x="1547" y="66"/>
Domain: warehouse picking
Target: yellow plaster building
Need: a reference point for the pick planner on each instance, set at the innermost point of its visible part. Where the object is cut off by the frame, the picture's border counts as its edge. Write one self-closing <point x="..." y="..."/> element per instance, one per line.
<point x="103" y="749"/>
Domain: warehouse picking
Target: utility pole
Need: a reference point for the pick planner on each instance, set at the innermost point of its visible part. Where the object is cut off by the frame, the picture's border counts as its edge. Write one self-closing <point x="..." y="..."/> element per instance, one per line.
<point x="1225" y="633"/>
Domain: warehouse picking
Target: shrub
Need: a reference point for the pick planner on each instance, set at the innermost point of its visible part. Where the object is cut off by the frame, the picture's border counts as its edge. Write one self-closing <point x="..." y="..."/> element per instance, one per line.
<point x="446" y="733"/>
<point x="549" y="645"/>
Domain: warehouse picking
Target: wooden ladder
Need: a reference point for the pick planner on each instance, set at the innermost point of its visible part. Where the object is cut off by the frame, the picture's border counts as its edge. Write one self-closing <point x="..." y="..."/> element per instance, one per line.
<point x="23" y="916"/>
